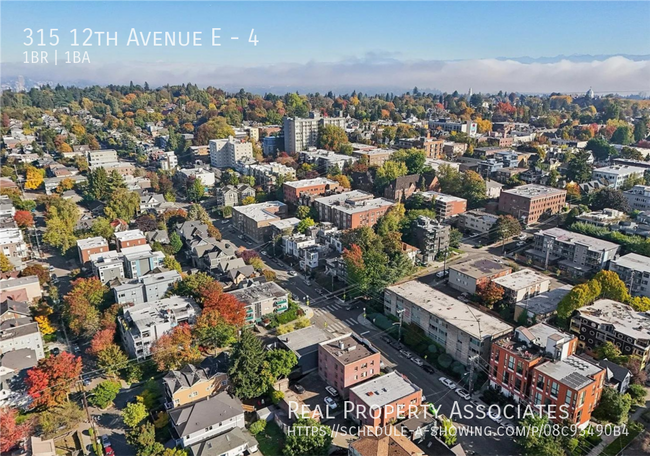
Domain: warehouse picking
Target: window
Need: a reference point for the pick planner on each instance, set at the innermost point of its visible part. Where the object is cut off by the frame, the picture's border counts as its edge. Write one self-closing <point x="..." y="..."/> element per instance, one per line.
<point x="581" y="399"/>
<point x="511" y="363"/>
<point x="520" y="367"/>
<point x="538" y="398"/>
<point x="540" y="382"/>
<point x="568" y="397"/>
<point x="554" y="389"/>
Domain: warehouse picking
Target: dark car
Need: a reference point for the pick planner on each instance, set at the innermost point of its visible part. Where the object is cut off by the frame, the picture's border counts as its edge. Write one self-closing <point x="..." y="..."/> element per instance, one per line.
<point x="387" y="339"/>
<point x="428" y="369"/>
<point x="299" y="388"/>
<point x="55" y="351"/>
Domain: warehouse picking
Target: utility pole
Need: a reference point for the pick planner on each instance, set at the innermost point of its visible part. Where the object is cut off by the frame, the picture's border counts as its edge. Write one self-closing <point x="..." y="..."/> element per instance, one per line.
<point x="401" y="319"/>
<point x="471" y="360"/>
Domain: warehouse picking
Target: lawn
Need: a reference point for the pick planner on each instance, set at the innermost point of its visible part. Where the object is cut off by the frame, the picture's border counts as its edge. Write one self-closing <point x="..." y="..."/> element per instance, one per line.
<point x="271" y="440"/>
<point x="621" y="442"/>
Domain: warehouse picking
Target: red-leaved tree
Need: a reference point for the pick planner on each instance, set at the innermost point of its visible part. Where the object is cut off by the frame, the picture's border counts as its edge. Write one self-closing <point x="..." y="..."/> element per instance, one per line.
<point x="175" y="349"/>
<point x="101" y="340"/>
<point x="24" y="219"/>
<point x="232" y="310"/>
<point x="50" y="382"/>
<point x="11" y="433"/>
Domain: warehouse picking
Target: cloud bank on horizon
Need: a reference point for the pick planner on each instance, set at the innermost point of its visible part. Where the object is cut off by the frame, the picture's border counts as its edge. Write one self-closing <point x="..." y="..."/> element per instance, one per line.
<point x="372" y="73"/>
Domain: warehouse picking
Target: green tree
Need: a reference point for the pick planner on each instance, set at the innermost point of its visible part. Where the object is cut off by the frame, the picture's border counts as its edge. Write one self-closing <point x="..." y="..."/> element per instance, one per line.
<point x="611" y="286"/>
<point x="175" y="242"/>
<point x="506" y="227"/>
<point x="613" y="406"/>
<point x="257" y="427"/>
<point x="308" y="438"/>
<point x="215" y="128"/>
<point x="331" y="137"/>
<point x="608" y="351"/>
<point x="455" y="238"/>
<point x="172" y="264"/>
<point x="637" y="394"/>
<point x="641" y="129"/>
<point x="281" y="362"/>
<point x="195" y="190"/>
<point x="115" y="181"/>
<point x="249" y="371"/>
<point x="144" y="440"/>
<point x="607" y="197"/>
<point x="102" y="227"/>
<point x="388" y="172"/>
<point x="578" y="168"/>
<point x="449" y="432"/>
<point x="414" y="159"/>
<point x="535" y="443"/>
<point x="97" y="188"/>
<point x="134" y="413"/>
<point x="112" y="359"/>
<point x="622" y="135"/>
<point x="123" y="204"/>
<point x="302" y="212"/>
<point x="600" y="148"/>
<point x="104" y="393"/>
<point x="305" y="224"/>
<point x="579" y="296"/>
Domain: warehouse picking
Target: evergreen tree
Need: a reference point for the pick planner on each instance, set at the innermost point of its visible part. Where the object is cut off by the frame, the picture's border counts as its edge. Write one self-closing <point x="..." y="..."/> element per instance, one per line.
<point x="249" y="371"/>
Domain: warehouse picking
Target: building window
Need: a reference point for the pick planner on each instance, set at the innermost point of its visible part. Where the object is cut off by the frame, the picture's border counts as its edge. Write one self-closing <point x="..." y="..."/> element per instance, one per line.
<point x="511" y="363"/>
<point x="554" y="389"/>
<point x="569" y="397"/>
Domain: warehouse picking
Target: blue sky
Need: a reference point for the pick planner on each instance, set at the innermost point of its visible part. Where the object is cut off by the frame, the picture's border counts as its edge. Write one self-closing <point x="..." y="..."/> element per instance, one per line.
<point x="307" y="33"/>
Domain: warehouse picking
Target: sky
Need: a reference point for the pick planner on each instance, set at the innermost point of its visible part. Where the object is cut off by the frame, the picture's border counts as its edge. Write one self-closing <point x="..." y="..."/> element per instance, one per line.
<point x="333" y="45"/>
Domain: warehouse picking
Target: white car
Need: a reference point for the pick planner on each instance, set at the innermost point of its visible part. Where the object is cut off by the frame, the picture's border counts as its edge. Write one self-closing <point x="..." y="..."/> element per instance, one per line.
<point x="448" y="383"/>
<point x="440" y="274"/>
<point x="292" y="273"/>
<point x="463" y="393"/>
<point x="494" y="416"/>
<point x="331" y="390"/>
<point x="406" y="353"/>
<point x="417" y="361"/>
<point x="330" y="402"/>
<point x="521" y="244"/>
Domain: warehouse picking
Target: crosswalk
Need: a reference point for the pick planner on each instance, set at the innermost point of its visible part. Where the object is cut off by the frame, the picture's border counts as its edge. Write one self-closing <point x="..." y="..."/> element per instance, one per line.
<point x="343" y="325"/>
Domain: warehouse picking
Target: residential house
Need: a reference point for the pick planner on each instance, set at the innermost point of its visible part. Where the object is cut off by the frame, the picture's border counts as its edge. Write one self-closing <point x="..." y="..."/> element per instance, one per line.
<point x="21" y="333"/>
<point x="190" y="384"/>
<point x="29" y="287"/>
<point x="234" y="195"/>
<point x="616" y="376"/>
<point x="235" y="442"/>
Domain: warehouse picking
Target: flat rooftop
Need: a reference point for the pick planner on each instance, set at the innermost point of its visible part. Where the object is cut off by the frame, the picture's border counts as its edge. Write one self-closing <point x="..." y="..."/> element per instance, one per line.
<point x="634" y="261"/>
<point x="261" y="211"/>
<point x="535" y="190"/>
<point x="573" y="371"/>
<point x="383" y="390"/>
<point x="305" y="340"/>
<point x="479" y="268"/>
<point x="259" y="292"/>
<point x="348" y="349"/>
<point x="150" y="313"/>
<point x="285" y="224"/>
<point x="545" y="303"/>
<point x="474" y="322"/>
<point x="129" y="235"/>
<point x="570" y="237"/>
<point x="341" y="198"/>
<point x="310" y="182"/>
<point x="92" y="242"/>
<point x="521" y="279"/>
<point x="620" y="169"/>
<point x="442" y="197"/>
<point x="366" y="205"/>
<point x="622" y="317"/>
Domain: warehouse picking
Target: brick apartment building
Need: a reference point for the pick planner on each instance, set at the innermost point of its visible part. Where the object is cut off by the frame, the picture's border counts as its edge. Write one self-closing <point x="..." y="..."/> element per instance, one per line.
<point x="529" y="202"/>
<point x="313" y="187"/>
<point x="90" y="246"/>
<point x="446" y="206"/>
<point x="537" y="365"/>
<point x="352" y="209"/>
<point x="255" y="220"/>
<point x="130" y="238"/>
<point x="378" y="401"/>
<point x="347" y="360"/>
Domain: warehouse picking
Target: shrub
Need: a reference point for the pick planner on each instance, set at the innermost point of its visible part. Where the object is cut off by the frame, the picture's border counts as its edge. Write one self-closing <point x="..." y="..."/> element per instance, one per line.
<point x="445" y="360"/>
<point x="458" y="368"/>
<point x="257" y="427"/>
<point x="277" y="396"/>
<point x="432" y="349"/>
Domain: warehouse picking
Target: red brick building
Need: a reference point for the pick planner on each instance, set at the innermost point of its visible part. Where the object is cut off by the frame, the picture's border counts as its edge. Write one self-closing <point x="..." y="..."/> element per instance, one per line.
<point x="352" y="209"/>
<point x="313" y="187"/>
<point x="378" y="401"/>
<point x="129" y="238"/>
<point x="529" y="202"/>
<point x="347" y="360"/>
<point x="537" y="365"/>
<point x="90" y="246"/>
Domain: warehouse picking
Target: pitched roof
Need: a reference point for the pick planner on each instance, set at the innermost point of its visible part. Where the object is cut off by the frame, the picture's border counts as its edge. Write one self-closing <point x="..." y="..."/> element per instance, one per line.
<point x="19" y="307"/>
<point x="185" y="377"/>
<point x="390" y="443"/>
<point x="224" y="443"/>
<point x="404" y="182"/>
<point x="202" y="414"/>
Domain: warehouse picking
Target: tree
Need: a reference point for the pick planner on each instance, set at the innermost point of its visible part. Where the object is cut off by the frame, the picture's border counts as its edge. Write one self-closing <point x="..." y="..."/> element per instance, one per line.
<point x="24" y="219"/>
<point x="65" y="185"/>
<point x="622" y="135"/>
<point x="506" y="227"/>
<point x="59" y="234"/>
<point x="230" y="309"/>
<point x="97" y="188"/>
<point x="144" y="440"/>
<point x="101" y="340"/>
<point x="11" y="432"/>
<point x="638" y="394"/>
<point x="102" y="227"/>
<point x="215" y="128"/>
<point x="192" y="284"/>
<point x="414" y="159"/>
<point x="331" y="137"/>
<point x="5" y="264"/>
<point x="600" y="148"/>
<point x="257" y="427"/>
<point x="198" y="212"/>
<point x="490" y="293"/>
<point x="172" y="264"/>
<point x="611" y="286"/>
<point x="641" y="129"/>
<point x="302" y="212"/>
<point x="195" y="190"/>
<point x="388" y="172"/>
<point x="305" y="224"/>
<point x="579" y="296"/>
<point x="123" y="204"/>
<point x="343" y="180"/>
<point x="33" y="177"/>
<point x="449" y="432"/>
<point x="455" y="238"/>
<point x="81" y="306"/>
<point x="608" y="351"/>
<point x="112" y="359"/>
<point x="249" y="371"/>
<point x="639" y="375"/>
<point x="134" y="413"/>
<point x="104" y="393"/>
<point x="578" y="168"/>
<point x="49" y="382"/>
<point x="613" y="406"/>
<point x="146" y="222"/>
<point x="537" y="443"/>
<point x="60" y="418"/>
<point x="281" y="362"/>
<point x="44" y="325"/>
<point x="175" y="349"/>
<point x="248" y="200"/>
<point x="609" y="198"/>
<point x="175" y="242"/>
<point x="308" y="438"/>
<point x="212" y="331"/>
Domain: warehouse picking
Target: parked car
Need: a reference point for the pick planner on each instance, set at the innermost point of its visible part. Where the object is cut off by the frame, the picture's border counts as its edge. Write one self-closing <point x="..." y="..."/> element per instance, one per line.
<point x="387" y="339"/>
<point x="521" y="244"/>
<point x="440" y="274"/>
<point x="76" y="349"/>
<point x="417" y="361"/>
<point x="51" y="268"/>
<point x="494" y="416"/>
<point x="55" y="279"/>
<point x="55" y="351"/>
<point x="448" y="383"/>
<point x="330" y="402"/>
<point x="105" y="441"/>
<point x="407" y="354"/>
<point x="292" y="273"/>
<point x="299" y="388"/>
<point x="331" y="390"/>
<point x="109" y="452"/>
<point x="428" y="369"/>
<point x="463" y="393"/>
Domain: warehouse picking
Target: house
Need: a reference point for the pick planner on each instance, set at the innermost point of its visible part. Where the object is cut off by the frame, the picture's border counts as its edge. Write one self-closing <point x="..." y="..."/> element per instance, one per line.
<point x="150" y="287"/>
<point x="380" y="400"/>
<point x="389" y="442"/>
<point x="304" y="343"/>
<point x="262" y="299"/>
<point x="90" y="246"/>
<point x="160" y="236"/>
<point x="191" y="383"/>
<point x="14" y="365"/>
<point x="21" y="333"/>
<point x="523" y="284"/>
<point x="201" y="420"/>
<point x="347" y="360"/>
<point x="130" y="238"/>
<point x="14" y="286"/>
<point x="542" y="307"/>
<point x="470" y="275"/>
<point x="234" y="195"/>
<point x="11" y="310"/>
<point x="603" y="218"/>
<point x="617" y="377"/>
<point x="464" y="331"/>
<point x="235" y="442"/>
<point x="401" y="188"/>
<point x="151" y="202"/>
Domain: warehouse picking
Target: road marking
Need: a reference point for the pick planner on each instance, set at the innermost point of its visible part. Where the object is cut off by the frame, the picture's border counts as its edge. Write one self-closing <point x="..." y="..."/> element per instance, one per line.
<point x="365" y="332"/>
<point x="351" y="321"/>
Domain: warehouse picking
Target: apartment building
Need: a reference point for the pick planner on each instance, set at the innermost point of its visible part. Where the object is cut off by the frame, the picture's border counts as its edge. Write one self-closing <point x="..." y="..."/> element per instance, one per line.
<point x="470" y="275"/>
<point x="102" y="156"/>
<point x="21" y="334"/>
<point x="433" y="148"/>
<point x="255" y="220"/>
<point x="603" y="218"/>
<point x="130" y="238"/>
<point x="203" y="175"/>
<point x="634" y="270"/>
<point x="469" y="128"/>
<point x="477" y="221"/>
<point x="382" y="399"/>
<point x="347" y="360"/>
<point x="352" y="209"/>
<point x="267" y="174"/>
<point x="446" y="206"/>
<point x="90" y="246"/>
<point x="122" y="168"/>
<point x="639" y="197"/>
<point x="432" y="238"/>
<point x="143" y="324"/>
<point x="304" y="343"/>
<point x="293" y="191"/>
<point x="233" y="195"/>
<point x="374" y="157"/>
<point x="262" y="299"/>
<point x="574" y="253"/>
<point x="225" y="153"/>
<point x="107" y="266"/>
<point x="453" y="149"/>
<point x="614" y="176"/>
<point x="326" y="160"/>
<point x="151" y="287"/>
<point x="611" y="321"/>
<point x="190" y="384"/>
<point x="528" y="202"/>
<point x="537" y="365"/>
<point x="140" y="260"/>
<point x="12" y="244"/>
<point x="301" y="133"/>
<point x="29" y="285"/>
<point x="464" y="331"/>
<point x="168" y="161"/>
<point x="522" y="285"/>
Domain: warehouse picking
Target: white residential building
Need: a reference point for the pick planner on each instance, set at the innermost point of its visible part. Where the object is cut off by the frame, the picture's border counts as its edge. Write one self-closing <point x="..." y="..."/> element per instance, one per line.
<point x="206" y="176"/>
<point x="168" y="161"/>
<point x="614" y="176"/>
<point x="102" y="156"/>
<point x="639" y="197"/>
<point x="301" y="133"/>
<point x="225" y="153"/>
<point x="470" y="128"/>
<point x="326" y="159"/>
<point x="477" y="221"/>
<point x="634" y="270"/>
<point x="522" y="285"/>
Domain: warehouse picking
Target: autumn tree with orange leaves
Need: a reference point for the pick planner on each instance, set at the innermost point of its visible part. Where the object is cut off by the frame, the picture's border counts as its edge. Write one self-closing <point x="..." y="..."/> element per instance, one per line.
<point x="81" y="306"/>
<point x="12" y="433"/>
<point x="175" y="349"/>
<point x="50" y="382"/>
<point x="231" y="310"/>
<point x="24" y="219"/>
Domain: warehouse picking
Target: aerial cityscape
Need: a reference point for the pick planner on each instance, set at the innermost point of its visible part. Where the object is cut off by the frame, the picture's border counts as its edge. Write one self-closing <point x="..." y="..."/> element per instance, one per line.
<point x="239" y="234"/>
